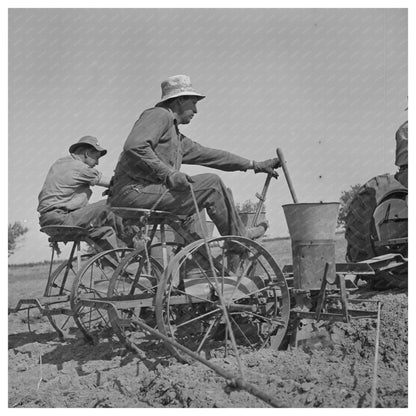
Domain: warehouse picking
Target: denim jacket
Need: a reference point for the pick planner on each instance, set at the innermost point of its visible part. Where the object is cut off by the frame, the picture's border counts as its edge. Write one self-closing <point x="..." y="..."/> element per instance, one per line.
<point x="155" y="148"/>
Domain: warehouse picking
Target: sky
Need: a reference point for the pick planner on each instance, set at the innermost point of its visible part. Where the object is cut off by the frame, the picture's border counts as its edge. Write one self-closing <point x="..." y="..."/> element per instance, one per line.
<point x="327" y="86"/>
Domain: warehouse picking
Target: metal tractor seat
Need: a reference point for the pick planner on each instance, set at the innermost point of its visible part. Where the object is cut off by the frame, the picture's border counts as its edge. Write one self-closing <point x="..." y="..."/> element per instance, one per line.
<point x="69" y="234"/>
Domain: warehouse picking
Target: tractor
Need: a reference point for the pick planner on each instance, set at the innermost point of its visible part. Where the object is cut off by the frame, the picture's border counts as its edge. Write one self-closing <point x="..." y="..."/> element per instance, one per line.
<point x="376" y="225"/>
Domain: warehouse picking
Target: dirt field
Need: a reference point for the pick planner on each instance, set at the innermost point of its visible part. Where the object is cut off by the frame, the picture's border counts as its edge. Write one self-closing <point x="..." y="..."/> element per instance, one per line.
<point x="328" y="371"/>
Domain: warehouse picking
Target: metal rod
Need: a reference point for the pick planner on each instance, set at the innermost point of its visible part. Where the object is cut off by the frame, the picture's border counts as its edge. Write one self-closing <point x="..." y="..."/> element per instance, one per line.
<point x="78" y="245"/>
<point x="286" y="172"/>
<point x="262" y="198"/>
<point x="374" y="387"/>
<point x="237" y="382"/>
<point x="164" y="247"/>
<point x="322" y="292"/>
<point x="234" y="381"/>
<point x="221" y="298"/>
<point x="50" y="270"/>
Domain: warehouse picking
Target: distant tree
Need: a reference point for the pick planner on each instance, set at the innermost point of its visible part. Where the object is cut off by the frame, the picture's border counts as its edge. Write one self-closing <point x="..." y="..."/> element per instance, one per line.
<point x="249" y="206"/>
<point x="16" y="230"/>
<point x="345" y="199"/>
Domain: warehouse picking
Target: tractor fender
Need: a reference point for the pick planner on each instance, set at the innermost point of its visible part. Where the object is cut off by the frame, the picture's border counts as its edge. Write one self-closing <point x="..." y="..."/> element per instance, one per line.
<point x="378" y="212"/>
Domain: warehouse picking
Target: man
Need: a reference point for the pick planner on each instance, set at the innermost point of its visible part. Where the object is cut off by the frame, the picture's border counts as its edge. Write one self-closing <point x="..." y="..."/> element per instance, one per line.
<point x="148" y="171"/>
<point x="64" y="197"/>
<point x="401" y="154"/>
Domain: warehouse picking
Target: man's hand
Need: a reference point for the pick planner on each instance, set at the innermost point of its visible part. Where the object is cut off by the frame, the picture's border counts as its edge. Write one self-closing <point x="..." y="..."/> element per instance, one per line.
<point x="267" y="166"/>
<point x="178" y="181"/>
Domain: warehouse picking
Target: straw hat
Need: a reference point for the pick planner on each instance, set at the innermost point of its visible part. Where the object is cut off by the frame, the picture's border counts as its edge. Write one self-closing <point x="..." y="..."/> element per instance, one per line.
<point x="177" y="86"/>
<point x="90" y="141"/>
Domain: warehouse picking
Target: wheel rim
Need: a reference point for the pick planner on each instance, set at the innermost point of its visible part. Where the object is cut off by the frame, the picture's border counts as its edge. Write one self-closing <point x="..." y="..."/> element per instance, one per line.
<point x="135" y="280"/>
<point x="254" y="290"/>
<point x="59" y="285"/>
<point x="92" y="284"/>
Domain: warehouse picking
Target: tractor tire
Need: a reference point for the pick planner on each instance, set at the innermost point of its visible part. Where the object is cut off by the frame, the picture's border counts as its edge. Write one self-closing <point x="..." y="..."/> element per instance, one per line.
<point x="360" y="231"/>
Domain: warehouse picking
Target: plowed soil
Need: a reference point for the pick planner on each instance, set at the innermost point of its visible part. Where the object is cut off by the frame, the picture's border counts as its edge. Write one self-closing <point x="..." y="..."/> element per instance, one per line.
<point x="333" y="367"/>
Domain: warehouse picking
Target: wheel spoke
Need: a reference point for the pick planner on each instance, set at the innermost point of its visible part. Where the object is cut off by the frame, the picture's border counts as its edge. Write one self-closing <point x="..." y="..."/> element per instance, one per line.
<point x="54" y="285"/>
<point x="145" y="288"/>
<point x="211" y="326"/>
<point x="247" y="295"/>
<point x="92" y="284"/>
<point x="138" y="274"/>
<point x="104" y="273"/>
<point x="66" y="320"/>
<point x="90" y="312"/>
<point x="244" y="273"/>
<point x="261" y="317"/>
<point x="59" y="284"/>
<point x="198" y="318"/>
<point x="95" y="291"/>
<point x="135" y="275"/>
<point x="241" y="331"/>
<point x="181" y="292"/>
<point x="239" y="279"/>
<point x="92" y="321"/>
<point x="192" y="315"/>
<point x="222" y="268"/>
<point x="205" y="276"/>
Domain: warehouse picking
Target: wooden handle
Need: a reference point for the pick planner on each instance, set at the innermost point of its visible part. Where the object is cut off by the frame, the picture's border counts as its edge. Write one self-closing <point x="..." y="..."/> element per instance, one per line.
<point x="286" y="172"/>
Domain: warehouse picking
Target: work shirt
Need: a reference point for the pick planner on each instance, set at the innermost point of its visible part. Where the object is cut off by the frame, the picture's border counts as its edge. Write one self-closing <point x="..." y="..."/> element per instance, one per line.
<point x="67" y="185"/>
<point x="401" y="145"/>
<point x="155" y="148"/>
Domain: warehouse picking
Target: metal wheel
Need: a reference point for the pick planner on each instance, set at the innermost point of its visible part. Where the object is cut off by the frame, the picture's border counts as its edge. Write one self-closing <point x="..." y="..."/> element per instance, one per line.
<point x="188" y="307"/>
<point x="90" y="285"/>
<point x="60" y="284"/>
<point x="132" y="290"/>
